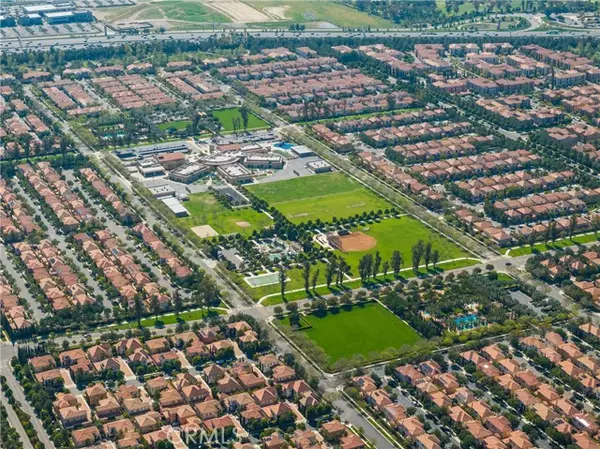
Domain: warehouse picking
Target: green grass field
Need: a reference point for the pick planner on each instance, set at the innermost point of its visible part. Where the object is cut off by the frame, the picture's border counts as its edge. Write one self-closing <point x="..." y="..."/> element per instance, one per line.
<point x="205" y="209"/>
<point x="191" y="11"/>
<point x="321" y="197"/>
<point x="178" y="125"/>
<point x="226" y="116"/>
<point x="401" y="234"/>
<point x="367" y="330"/>
<point x="300" y="11"/>
<point x="295" y="282"/>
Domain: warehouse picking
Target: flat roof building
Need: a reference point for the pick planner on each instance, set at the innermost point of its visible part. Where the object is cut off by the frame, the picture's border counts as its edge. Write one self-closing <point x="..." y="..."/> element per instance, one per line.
<point x="162" y="191"/>
<point x="176" y="207"/>
<point x="235" y="173"/>
<point x="302" y="151"/>
<point x="319" y="166"/>
<point x="273" y="161"/>
<point x="189" y="173"/>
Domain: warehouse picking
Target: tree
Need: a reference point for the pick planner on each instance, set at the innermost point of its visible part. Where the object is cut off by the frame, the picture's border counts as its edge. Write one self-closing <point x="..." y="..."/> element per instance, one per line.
<point x="330" y="270"/>
<point x="244" y="113"/>
<point x="427" y="255"/>
<point x="365" y="267"/>
<point x="435" y="258"/>
<point x="210" y="292"/>
<point x="342" y="269"/>
<point x="315" y="279"/>
<point x="139" y="308"/>
<point x="282" y="280"/>
<point x="385" y="267"/>
<point x="294" y="319"/>
<point x="376" y="264"/>
<point x="572" y="225"/>
<point x="155" y="306"/>
<point x="596" y="223"/>
<point x="177" y="303"/>
<point x="417" y="253"/>
<point x="306" y="276"/>
<point x="396" y="262"/>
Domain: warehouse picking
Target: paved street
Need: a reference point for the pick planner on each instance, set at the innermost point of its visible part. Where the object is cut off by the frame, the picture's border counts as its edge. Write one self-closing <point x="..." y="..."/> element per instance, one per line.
<point x="117" y="40"/>
<point x="7" y="351"/>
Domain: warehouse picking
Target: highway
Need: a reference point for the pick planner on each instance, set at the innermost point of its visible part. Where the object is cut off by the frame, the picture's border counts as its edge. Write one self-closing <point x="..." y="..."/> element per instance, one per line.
<point x="116" y="40"/>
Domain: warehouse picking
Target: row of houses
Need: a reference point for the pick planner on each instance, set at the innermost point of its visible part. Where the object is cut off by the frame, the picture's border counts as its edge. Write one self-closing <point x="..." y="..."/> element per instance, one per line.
<point x="71" y="98"/>
<point x="295" y="89"/>
<point x="503" y="108"/>
<point x="221" y="396"/>
<point x="524" y="181"/>
<point x="335" y="140"/>
<point x="132" y="91"/>
<point x="388" y="120"/>
<point x="531" y="390"/>
<point x="582" y="100"/>
<point x="463" y="167"/>
<point x="165" y="255"/>
<point x="572" y="134"/>
<point x="478" y="224"/>
<point x="125" y="275"/>
<point x="362" y="102"/>
<point x="69" y="207"/>
<point x="546" y="205"/>
<point x="411" y="133"/>
<point x="16" y="220"/>
<point x="16" y="316"/>
<point x="54" y="276"/>
<point x="440" y="148"/>
<point x="277" y="69"/>
<point x="194" y="87"/>
<point x="106" y="193"/>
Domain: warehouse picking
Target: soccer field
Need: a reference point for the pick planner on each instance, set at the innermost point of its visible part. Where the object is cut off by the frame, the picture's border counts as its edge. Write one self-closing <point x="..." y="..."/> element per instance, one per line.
<point x="400" y="234"/>
<point x="368" y="331"/>
<point x="321" y="197"/>
<point x="226" y="116"/>
<point x="204" y="209"/>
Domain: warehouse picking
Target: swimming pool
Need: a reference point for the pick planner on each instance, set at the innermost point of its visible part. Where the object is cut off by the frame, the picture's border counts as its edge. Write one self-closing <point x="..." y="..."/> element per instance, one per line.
<point x="285" y="145"/>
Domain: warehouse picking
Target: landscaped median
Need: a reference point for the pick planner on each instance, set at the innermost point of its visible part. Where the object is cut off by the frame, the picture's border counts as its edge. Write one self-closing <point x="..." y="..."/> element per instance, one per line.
<point x="581" y="239"/>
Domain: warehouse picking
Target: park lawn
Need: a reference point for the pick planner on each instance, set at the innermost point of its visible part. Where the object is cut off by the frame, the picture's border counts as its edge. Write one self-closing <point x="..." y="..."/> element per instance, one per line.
<point x="295" y="281"/>
<point x="205" y="209"/>
<point x="380" y="280"/>
<point x="302" y="11"/>
<point x="400" y="234"/>
<point x="323" y="197"/>
<point x="367" y="330"/>
<point x="558" y="244"/>
<point x="181" y="10"/>
<point x="226" y="116"/>
<point x="177" y="125"/>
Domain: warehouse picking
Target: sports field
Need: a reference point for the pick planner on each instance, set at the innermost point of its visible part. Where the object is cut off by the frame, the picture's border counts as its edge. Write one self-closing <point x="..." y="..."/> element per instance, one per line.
<point x="177" y="125"/>
<point x="226" y="116"/>
<point x="206" y="210"/>
<point x="321" y="197"/>
<point x="400" y="234"/>
<point x="368" y="331"/>
<point x="302" y="11"/>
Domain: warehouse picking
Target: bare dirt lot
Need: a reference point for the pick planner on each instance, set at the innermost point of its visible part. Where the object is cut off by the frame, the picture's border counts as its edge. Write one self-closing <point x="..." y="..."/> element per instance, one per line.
<point x="357" y="241"/>
<point x="204" y="231"/>
<point x="237" y="11"/>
